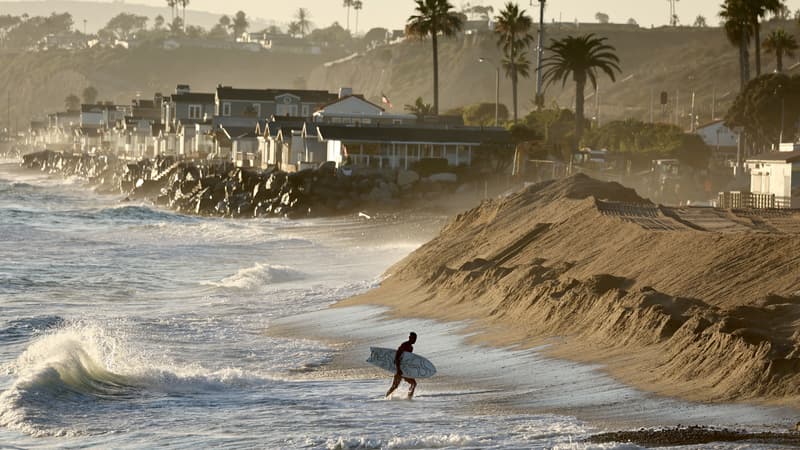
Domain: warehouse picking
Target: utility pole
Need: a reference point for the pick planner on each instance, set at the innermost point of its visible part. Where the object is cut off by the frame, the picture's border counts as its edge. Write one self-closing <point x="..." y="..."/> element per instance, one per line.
<point x="539" y="52"/>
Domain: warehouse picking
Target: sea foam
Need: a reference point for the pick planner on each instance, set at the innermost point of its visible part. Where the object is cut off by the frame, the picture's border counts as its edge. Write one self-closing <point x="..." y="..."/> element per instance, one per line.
<point x="259" y="275"/>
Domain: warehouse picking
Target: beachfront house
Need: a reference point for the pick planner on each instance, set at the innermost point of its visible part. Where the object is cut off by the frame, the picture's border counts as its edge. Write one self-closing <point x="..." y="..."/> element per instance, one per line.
<point x="775" y="176"/>
<point x="186" y="107"/>
<point x="264" y="103"/>
<point x="401" y="147"/>
<point x="352" y="109"/>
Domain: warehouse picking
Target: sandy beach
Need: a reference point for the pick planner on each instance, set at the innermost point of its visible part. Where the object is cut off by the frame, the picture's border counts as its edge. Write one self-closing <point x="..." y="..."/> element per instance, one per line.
<point x="578" y="297"/>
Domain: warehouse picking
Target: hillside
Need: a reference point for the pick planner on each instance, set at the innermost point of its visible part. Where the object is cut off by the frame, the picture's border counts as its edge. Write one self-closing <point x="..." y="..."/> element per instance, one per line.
<point x="661" y="59"/>
<point x="694" y="302"/>
<point x="97" y="14"/>
<point x="42" y="80"/>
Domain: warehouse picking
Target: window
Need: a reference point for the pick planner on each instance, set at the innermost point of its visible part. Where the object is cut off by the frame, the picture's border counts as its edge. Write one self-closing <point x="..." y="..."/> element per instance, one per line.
<point x="305" y="111"/>
<point x="226" y="109"/>
<point x="397" y="121"/>
<point x="257" y="109"/>
<point x="195" y="111"/>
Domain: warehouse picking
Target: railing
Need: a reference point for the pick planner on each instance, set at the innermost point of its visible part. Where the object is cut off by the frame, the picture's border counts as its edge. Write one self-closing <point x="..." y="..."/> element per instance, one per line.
<point x="749" y="200"/>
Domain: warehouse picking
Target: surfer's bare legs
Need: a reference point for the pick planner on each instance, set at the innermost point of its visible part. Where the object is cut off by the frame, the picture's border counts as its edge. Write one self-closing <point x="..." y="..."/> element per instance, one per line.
<point x="413" y="386"/>
<point x="395" y="383"/>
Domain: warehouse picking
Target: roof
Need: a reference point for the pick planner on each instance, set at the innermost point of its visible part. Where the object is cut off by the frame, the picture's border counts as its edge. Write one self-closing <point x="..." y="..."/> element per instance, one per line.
<point x="777" y="157"/>
<point x="268" y="95"/>
<point x="239" y="132"/>
<point x="471" y="135"/>
<point x="192" y="97"/>
<point x="713" y="122"/>
<point x="358" y="96"/>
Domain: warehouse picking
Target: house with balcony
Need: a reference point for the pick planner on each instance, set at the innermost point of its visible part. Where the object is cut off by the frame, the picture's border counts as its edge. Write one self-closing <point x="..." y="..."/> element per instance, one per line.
<point x="262" y="104"/>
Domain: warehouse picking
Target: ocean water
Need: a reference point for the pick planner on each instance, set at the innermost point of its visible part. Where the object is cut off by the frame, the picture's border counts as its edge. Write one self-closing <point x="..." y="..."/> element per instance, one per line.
<point x="125" y="326"/>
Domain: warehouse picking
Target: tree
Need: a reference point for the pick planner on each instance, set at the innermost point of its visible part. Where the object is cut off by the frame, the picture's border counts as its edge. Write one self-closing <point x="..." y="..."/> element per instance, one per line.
<point x="759" y="107"/>
<point x="482" y="114"/>
<point x="220" y="29"/>
<point x="759" y="10"/>
<point x="239" y="24"/>
<point x="736" y="22"/>
<point x="512" y="28"/>
<point x="303" y="24"/>
<point x="172" y="4"/>
<point x="434" y="17"/>
<point x="72" y="102"/>
<point x="581" y="58"/>
<point x="347" y="4"/>
<point x="602" y="17"/>
<point x="780" y="43"/>
<point x="358" y="5"/>
<point x="376" y="35"/>
<point x="176" y="27"/>
<point x="333" y="34"/>
<point x="294" y="29"/>
<point x="89" y="95"/>
<point x="700" y="22"/>
<point x="183" y="4"/>
<point x="420" y="108"/>
<point x="158" y="22"/>
<point x="124" y="24"/>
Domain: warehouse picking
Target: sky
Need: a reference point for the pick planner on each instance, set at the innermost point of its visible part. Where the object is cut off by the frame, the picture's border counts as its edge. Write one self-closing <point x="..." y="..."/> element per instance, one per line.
<point x="393" y="13"/>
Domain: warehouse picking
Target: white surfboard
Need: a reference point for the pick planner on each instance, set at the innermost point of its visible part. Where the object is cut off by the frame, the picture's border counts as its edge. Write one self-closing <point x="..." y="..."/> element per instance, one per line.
<point x="412" y="365"/>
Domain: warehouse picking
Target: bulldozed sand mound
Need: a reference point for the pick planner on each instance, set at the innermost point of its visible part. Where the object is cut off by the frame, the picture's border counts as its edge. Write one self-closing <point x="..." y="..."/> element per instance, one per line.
<point x="695" y="302"/>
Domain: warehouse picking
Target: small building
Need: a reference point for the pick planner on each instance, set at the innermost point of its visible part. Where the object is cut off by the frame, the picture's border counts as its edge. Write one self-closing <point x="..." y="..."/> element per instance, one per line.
<point x="355" y="110"/>
<point x="722" y="141"/>
<point x="777" y="175"/>
<point x="264" y="103"/>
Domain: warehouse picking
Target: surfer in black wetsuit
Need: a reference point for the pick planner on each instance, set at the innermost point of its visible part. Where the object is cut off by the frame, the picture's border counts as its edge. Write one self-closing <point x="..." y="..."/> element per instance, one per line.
<point x="407" y="346"/>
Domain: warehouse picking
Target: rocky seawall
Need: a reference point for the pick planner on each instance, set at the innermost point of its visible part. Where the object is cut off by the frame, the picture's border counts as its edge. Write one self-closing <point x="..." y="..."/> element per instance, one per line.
<point x="220" y="189"/>
<point x="694" y="302"/>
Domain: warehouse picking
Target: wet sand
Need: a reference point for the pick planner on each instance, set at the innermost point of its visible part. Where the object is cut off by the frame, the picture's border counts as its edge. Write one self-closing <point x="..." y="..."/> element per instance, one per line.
<point x="509" y="379"/>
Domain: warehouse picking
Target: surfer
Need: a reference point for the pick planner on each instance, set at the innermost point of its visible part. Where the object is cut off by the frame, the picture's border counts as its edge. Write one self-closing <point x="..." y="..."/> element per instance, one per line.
<point x="407" y="346"/>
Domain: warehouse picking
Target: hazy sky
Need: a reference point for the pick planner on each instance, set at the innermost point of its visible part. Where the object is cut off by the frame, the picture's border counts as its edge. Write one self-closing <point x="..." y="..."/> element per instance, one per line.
<point x="393" y="13"/>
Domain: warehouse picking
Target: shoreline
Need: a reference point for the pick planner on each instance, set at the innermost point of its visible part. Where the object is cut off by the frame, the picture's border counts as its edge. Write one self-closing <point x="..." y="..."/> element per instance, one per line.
<point x="510" y="380"/>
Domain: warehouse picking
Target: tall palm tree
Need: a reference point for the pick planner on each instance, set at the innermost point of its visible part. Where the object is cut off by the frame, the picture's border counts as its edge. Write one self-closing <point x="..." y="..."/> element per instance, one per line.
<point x="759" y="9"/>
<point x="780" y="43"/>
<point x="183" y="4"/>
<point x="172" y="4"/>
<point x="580" y="57"/>
<point x="347" y="4"/>
<point x="737" y="25"/>
<point x="434" y="17"/>
<point x="513" y="27"/>
<point x="358" y="5"/>
<point x="303" y="24"/>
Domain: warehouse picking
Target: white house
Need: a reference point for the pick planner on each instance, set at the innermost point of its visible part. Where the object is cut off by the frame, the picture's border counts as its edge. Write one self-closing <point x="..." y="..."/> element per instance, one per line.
<point x="778" y="174"/>
<point x="355" y="110"/>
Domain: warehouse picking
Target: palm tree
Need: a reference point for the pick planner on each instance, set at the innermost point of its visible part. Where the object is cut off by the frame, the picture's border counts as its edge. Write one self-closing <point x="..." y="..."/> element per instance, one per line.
<point x="347" y="4"/>
<point x="434" y="17"/>
<point x="172" y="4"/>
<point x="736" y="17"/>
<point x="760" y="9"/>
<point x="513" y="27"/>
<point x="183" y="4"/>
<point x="420" y="108"/>
<point x="303" y="24"/>
<point x="581" y="57"/>
<point x="358" y="5"/>
<point x="780" y="43"/>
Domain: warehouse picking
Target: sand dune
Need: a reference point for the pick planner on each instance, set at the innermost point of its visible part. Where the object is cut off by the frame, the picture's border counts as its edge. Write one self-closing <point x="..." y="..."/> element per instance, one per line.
<point x="694" y="302"/>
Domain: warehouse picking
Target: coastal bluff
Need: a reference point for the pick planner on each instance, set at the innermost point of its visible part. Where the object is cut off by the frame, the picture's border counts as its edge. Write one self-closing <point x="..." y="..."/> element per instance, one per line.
<point x="699" y="303"/>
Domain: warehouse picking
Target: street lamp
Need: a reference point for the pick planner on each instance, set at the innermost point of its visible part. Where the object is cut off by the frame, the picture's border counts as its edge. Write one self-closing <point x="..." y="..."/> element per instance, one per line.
<point x="497" y="88"/>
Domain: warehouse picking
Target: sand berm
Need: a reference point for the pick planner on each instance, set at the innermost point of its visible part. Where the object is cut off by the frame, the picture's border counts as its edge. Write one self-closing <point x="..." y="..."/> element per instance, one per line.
<point x="698" y="303"/>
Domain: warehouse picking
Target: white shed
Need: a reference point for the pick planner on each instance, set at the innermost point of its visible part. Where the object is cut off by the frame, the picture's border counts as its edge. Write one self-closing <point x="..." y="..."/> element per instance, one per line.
<point x="778" y="174"/>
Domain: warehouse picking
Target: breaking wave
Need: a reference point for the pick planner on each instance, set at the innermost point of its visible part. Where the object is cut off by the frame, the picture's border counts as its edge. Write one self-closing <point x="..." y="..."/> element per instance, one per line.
<point x="81" y="367"/>
<point x="259" y="275"/>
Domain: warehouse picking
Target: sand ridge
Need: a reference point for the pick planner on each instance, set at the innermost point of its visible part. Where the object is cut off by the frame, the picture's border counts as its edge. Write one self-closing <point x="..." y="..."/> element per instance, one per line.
<point x="694" y="302"/>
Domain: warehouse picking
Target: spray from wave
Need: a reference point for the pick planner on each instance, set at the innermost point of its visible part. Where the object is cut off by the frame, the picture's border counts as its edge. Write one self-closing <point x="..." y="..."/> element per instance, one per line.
<point x="259" y="275"/>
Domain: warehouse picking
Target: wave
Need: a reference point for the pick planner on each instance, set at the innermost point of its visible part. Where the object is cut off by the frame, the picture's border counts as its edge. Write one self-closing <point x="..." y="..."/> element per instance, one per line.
<point x="140" y="213"/>
<point x="410" y="442"/>
<point x="258" y="275"/>
<point x="71" y="372"/>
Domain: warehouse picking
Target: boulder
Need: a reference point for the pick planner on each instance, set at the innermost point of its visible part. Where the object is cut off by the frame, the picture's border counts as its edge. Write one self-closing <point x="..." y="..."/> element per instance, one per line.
<point x="407" y="177"/>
